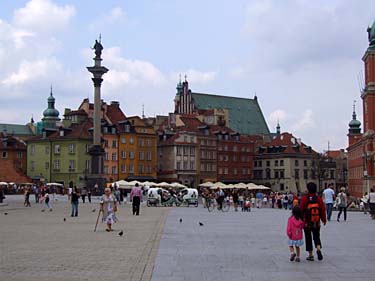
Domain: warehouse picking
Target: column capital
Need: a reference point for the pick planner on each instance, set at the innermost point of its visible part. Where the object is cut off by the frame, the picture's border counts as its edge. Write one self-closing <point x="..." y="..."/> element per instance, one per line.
<point x="97" y="81"/>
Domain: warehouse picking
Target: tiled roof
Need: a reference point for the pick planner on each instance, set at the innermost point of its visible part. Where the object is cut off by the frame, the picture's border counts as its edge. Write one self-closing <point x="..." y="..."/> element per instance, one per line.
<point x="245" y="115"/>
<point x="286" y="143"/>
<point x="335" y="154"/>
<point x="115" y="114"/>
<point x="16" y="129"/>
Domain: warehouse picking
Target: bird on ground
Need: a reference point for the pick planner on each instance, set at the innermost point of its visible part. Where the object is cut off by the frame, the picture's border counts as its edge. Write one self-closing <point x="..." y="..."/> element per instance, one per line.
<point x="121" y="233"/>
<point x="93" y="211"/>
<point x="201" y="224"/>
<point x="42" y="210"/>
<point x="181" y="220"/>
<point x="5" y="213"/>
<point x="64" y="219"/>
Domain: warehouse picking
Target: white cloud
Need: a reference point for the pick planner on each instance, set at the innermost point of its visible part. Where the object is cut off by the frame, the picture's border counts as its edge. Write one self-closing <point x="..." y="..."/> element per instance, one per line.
<point x="31" y="71"/>
<point x="278" y="115"/>
<point x="305" y="122"/>
<point x="44" y="15"/>
<point x="115" y="15"/>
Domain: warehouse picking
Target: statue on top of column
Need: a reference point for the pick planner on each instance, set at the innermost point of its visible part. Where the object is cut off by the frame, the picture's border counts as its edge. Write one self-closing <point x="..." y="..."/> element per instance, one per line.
<point x="98" y="47"/>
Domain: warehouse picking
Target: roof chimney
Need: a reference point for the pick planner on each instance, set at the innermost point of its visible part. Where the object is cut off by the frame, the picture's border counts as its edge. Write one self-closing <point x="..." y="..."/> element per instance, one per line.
<point x="115" y="103"/>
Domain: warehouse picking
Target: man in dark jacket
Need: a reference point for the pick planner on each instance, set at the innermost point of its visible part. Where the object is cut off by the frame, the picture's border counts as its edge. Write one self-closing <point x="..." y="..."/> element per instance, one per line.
<point x="313" y="211"/>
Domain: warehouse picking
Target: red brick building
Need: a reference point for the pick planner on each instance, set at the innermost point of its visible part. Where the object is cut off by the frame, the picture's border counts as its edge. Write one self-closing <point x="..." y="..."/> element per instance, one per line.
<point x="361" y="150"/>
<point x="12" y="159"/>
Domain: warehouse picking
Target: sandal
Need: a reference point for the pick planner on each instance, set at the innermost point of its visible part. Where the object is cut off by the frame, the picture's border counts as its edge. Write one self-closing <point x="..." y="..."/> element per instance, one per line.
<point x="292" y="257"/>
<point x="108" y="230"/>
<point x="310" y="258"/>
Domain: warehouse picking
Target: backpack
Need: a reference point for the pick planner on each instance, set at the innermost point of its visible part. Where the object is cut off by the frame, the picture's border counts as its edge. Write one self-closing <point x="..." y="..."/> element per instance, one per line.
<point x="313" y="211"/>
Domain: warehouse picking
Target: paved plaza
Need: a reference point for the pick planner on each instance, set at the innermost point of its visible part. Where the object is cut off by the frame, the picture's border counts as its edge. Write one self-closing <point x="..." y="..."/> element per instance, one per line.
<point x="37" y="245"/>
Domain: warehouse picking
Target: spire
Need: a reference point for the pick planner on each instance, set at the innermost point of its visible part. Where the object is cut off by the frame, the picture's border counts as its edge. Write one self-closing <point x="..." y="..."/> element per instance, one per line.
<point x="179" y="86"/>
<point x="354" y="124"/>
<point x="278" y="128"/>
<point x="143" y="111"/>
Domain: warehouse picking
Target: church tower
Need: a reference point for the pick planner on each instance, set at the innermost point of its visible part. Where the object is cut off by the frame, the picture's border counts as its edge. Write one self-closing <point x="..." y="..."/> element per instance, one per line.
<point x="50" y="115"/>
<point x="368" y="93"/>
<point x="354" y="128"/>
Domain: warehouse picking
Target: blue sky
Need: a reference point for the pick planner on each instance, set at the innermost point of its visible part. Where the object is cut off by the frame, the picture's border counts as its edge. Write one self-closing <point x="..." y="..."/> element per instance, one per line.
<point x="301" y="58"/>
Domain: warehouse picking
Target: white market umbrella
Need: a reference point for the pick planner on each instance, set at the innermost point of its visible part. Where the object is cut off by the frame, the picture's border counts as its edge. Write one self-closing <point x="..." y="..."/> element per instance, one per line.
<point x="206" y="184"/>
<point x="54" y="184"/>
<point x="163" y="184"/>
<point x="3" y="183"/>
<point x="147" y="183"/>
<point x="262" y="187"/>
<point x="177" y="185"/>
<point x="240" y="185"/>
<point x="252" y="186"/>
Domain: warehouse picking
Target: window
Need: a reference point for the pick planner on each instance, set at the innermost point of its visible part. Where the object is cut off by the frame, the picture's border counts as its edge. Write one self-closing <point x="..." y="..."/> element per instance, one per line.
<point x="220" y="171"/>
<point x="208" y="167"/>
<point x="281" y="186"/>
<point x="260" y="163"/>
<point x="47" y="150"/>
<point x="281" y="163"/>
<point x="127" y="128"/>
<point x="213" y="167"/>
<point x="220" y="157"/>
<point x="56" y="165"/>
<point x="235" y="148"/>
<point x="123" y="168"/>
<point x="32" y="166"/>
<point x="87" y="165"/>
<point x="185" y="165"/>
<point x="268" y="174"/>
<point x="131" y="155"/>
<point x="276" y="174"/>
<point x="186" y="150"/>
<point x="213" y="155"/>
<point x="296" y="173"/>
<point x="149" y="143"/>
<point x="105" y="169"/>
<point x="114" y="170"/>
<point x="243" y="171"/>
<point x="276" y="163"/>
<point x="203" y="154"/>
<point x="225" y="148"/>
<point x="5" y="154"/>
<point x="114" y="156"/>
<point x="178" y="165"/>
<point x="123" y="154"/>
<point x="202" y="167"/>
<point x="141" y="155"/>
<point x="19" y="154"/>
<point x="72" y="165"/>
<point x="148" y="169"/>
<point x="131" y="141"/>
<point x="225" y="171"/>
<point x="191" y="139"/>
<point x="106" y="157"/>
<point x="141" y="142"/>
<point x="282" y="174"/>
<point x="105" y="143"/>
<point x="192" y="151"/>
<point x="296" y="163"/>
<point x="255" y="163"/>
<point x="71" y="148"/>
<point x="114" y="143"/>
<point x="46" y="165"/>
<point x="305" y="174"/>
<point x="57" y="149"/>
<point x="123" y="140"/>
<point x="234" y="171"/>
<point x="305" y="163"/>
<point x="234" y="158"/>
<point x="192" y="165"/>
<point x="332" y="174"/>
<point x="179" y="150"/>
<point x="268" y="163"/>
<point x="149" y="156"/>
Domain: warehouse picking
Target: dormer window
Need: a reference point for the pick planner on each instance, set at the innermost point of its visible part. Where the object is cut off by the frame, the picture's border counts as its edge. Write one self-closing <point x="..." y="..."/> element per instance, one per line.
<point x="61" y="133"/>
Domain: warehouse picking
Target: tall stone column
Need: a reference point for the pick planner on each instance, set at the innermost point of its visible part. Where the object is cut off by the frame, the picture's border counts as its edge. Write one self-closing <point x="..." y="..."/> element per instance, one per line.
<point x="97" y="151"/>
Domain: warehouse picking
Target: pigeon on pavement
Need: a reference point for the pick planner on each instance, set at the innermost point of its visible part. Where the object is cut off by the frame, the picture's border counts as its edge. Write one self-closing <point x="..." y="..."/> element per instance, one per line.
<point x="121" y="233"/>
<point x="5" y="213"/>
<point x="64" y="219"/>
<point x="201" y="224"/>
<point x="181" y="220"/>
<point x="93" y="211"/>
<point x="42" y="210"/>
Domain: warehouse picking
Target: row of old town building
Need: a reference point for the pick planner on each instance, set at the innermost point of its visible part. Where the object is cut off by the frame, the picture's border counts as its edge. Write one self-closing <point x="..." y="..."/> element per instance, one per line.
<point x="207" y="138"/>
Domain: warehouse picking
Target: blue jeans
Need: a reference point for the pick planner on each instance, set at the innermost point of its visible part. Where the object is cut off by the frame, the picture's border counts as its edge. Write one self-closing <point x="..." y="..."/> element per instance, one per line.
<point x="74" y="209"/>
<point x="329" y="207"/>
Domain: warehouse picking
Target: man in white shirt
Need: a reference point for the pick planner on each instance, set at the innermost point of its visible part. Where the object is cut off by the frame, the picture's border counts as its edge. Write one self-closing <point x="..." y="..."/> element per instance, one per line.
<point x="329" y="198"/>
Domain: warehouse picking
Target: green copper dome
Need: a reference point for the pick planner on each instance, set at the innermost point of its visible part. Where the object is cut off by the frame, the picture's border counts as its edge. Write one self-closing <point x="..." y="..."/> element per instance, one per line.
<point x="51" y="111"/>
<point x="354" y="123"/>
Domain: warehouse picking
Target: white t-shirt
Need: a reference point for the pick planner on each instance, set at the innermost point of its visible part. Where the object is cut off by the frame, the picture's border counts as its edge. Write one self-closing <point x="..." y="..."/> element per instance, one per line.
<point x="328" y="195"/>
<point x="372" y="197"/>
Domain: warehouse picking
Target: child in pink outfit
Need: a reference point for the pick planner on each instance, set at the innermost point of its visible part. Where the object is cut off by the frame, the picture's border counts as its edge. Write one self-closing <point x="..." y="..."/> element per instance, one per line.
<point x="294" y="232"/>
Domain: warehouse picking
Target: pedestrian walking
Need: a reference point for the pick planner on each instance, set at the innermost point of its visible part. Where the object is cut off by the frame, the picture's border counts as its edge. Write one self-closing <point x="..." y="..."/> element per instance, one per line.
<point x="27" y="198"/>
<point x="47" y="202"/>
<point x="74" y="197"/>
<point x="136" y="198"/>
<point x="259" y="199"/>
<point x="329" y="199"/>
<point x="313" y="212"/>
<point x="89" y="195"/>
<point x="371" y="202"/>
<point x="342" y="203"/>
<point x="364" y="202"/>
<point x="290" y="200"/>
<point x="235" y="198"/>
<point x="108" y="207"/>
<point x="294" y="232"/>
<point x="83" y="195"/>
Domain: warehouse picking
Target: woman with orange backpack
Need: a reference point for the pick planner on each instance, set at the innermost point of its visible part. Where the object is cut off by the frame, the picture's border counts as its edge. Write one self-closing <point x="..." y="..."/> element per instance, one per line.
<point x="313" y="211"/>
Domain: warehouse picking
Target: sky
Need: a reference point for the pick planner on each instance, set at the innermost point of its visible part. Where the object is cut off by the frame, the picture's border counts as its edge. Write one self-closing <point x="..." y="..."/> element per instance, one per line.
<point x="301" y="58"/>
